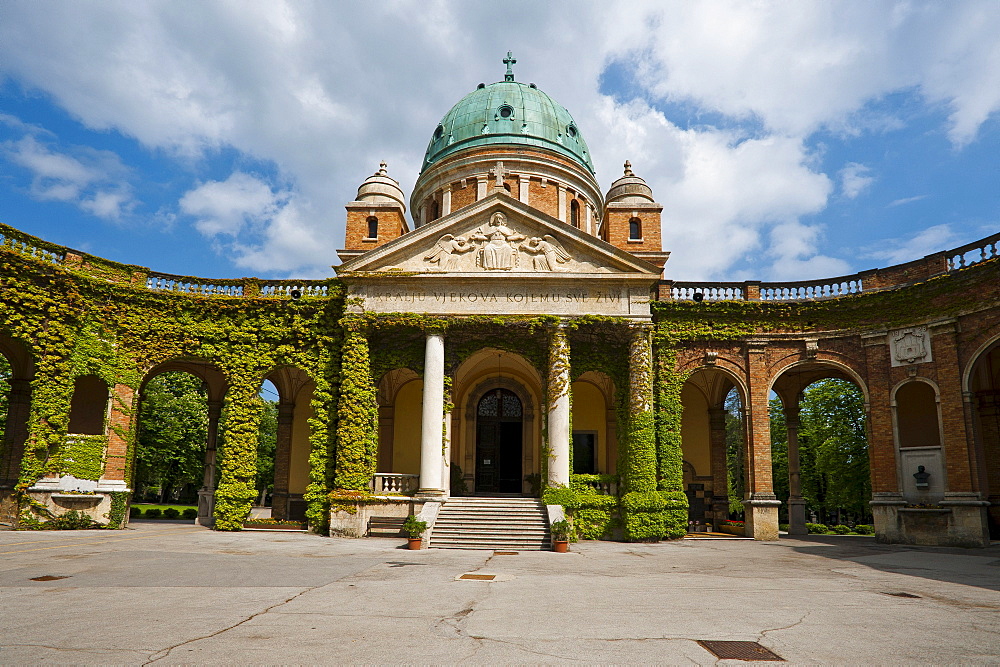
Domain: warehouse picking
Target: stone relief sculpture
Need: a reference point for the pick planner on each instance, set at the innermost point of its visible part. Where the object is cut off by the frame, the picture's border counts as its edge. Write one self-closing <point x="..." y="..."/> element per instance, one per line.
<point x="499" y="249"/>
<point x="447" y="251"/>
<point x="546" y="253"/>
<point x="910" y="346"/>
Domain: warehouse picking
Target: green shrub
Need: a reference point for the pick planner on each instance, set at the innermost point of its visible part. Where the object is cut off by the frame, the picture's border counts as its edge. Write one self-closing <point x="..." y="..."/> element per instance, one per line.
<point x="561" y="495"/>
<point x="864" y="529"/>
<point x="414" y="527"/>
<point x="840" y="530"/>
<point x="817" y="528"/>
<point x="71" y="520"/>
<point x="561" y="530"/>
<point x="189" y="513"/>
<point x="152" y="513"/>
<point x="134" y="512"/>
<point x="675" y="514"/>
<point x="171" y="513"/>
<point x="783" y="526"/>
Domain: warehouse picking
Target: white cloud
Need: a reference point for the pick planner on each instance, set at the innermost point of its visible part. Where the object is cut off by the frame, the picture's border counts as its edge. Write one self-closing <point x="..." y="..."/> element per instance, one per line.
<point x="228" y="207"/>
<point x="855" y="179"/>
<point x="924" y="242"/>
<point x="905" y="200"/>
<point x="92" y="180"/>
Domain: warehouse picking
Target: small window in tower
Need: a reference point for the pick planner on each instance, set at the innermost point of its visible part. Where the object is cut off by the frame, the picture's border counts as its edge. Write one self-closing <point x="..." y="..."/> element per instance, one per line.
<point x="506" y="112"/>
<point x="574" y="213"/>
<point x="571" y="131"/>
<point x="635" y="229"/>
<point x="372" y="227"/>
<point x="439" y="132"/>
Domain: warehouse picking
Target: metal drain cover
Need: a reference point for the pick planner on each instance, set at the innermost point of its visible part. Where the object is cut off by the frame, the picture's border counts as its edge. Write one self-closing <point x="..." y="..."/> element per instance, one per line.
<point x="479" y="577"/>
<point x="900" y="594"/>
<point x="727" y="650"/>
<point x="49" y="577"/>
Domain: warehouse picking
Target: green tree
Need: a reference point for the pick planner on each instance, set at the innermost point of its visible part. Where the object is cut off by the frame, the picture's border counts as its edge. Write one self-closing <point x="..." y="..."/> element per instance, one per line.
<point x="832" y="416"/>
<point x="173" y="432"/>
<point x="734" y="451"/>
<point x="779" y="455"/>
<point x="5" y="374"/>
<point x="267" y="440"/>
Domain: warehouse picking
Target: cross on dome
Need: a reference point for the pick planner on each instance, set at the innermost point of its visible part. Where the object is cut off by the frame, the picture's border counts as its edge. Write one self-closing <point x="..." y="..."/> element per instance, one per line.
<point x="509" y="62"/>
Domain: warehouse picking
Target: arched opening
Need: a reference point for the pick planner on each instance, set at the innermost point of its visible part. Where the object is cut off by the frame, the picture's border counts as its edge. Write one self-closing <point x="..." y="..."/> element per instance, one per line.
<point x="400" y="399"/>
<point x="713" y="444"/>
<point x="918" y="438"/>
<point x="283" y="443"/>
<point x="634" y="229"/>
<point x="178" y="434"/>
<point x="89" y="406"/>
<point x="435" y="210"/>
<point x="819" y="455"/>
<point x="574" y="213"/>
<point x="16" y="372"/>
<point x="499" y="430"/>
<point x="984" y="384"/>
<point x="372" y="227"/>
<point x="172" y="441"/>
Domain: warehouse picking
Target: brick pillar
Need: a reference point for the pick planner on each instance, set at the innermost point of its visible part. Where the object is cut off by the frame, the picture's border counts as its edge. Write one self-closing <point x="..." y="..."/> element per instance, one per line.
<point x="761" y="505"/>
<point x="796" y="504"/>
<point x="720" y="472"/>
<point x="121" y="424"/>
<point x="15" y="431"/>
<point x="958" y="454"/>
<point x="886" y="496"/>
<point x="282" y="461"/>
<point x="206" y="495"/>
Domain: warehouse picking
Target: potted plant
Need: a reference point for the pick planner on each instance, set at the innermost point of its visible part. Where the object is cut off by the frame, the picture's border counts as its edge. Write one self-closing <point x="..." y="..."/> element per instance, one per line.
<point x="414" y="528"/>
<point x="560" y="535"/>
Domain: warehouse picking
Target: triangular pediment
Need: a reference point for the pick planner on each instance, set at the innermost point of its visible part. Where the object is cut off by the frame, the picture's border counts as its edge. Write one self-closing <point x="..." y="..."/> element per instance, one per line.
<point x="498" y="235"/>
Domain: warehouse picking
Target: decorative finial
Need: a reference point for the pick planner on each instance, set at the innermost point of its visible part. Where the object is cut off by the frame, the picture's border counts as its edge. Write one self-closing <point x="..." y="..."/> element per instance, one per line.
<point x="509" y="61"/>
<point x="628" y="168"/>
<point x="381" y="169"/>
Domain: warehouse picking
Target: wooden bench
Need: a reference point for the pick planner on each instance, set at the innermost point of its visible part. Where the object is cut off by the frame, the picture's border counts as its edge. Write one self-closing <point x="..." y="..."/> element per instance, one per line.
<point x="385" y="526"/>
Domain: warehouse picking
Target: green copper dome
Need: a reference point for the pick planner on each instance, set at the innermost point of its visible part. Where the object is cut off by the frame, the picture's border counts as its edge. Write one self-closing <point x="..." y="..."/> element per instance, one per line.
<point x="504" y="113"/>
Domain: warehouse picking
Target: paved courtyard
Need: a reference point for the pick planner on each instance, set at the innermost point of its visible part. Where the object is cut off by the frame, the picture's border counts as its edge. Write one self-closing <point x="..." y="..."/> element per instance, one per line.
<point x="175" y="593"/>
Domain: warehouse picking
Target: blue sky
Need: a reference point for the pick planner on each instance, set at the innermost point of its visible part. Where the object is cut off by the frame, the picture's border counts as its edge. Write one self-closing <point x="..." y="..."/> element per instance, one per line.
<point x="785" y="140"/>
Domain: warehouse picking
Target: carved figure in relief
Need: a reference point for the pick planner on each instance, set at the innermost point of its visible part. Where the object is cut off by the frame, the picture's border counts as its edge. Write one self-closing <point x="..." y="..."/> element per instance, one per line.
<point x="910" y="345"/>
<point x="546" y="253"/>
<point x="499" y="249"/>
<point x="447" y="251"/>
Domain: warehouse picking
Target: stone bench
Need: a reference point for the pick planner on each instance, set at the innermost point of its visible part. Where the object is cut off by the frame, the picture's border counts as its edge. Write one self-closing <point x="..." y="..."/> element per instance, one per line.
<point x="385" y="526"/>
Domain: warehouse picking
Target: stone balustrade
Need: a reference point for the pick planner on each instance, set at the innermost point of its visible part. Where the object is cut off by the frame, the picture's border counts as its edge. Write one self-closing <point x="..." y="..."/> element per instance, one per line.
<point x="973" y="253"/>
<point x="811" y="289"/>
<point x="286" y="288"/>
<point x="164" y="282"/>
<point x="392" y="482"/>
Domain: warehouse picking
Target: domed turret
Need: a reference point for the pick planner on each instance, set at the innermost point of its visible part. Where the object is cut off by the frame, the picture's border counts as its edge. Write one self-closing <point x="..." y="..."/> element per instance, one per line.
<point x="380" y="188"/>
<point x="629" y="189"/>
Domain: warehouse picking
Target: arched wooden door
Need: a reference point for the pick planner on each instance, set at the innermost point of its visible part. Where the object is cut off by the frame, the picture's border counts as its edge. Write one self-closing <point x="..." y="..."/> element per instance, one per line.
<point x="499" y="429"/>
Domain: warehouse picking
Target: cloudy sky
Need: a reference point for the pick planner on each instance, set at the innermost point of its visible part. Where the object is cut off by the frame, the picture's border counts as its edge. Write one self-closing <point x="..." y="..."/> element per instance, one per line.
<point x="786" y="141"/>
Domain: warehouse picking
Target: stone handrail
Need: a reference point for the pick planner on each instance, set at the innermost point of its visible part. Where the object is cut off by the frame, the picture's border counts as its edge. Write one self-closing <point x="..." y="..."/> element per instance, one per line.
<point x="811" y="289"/>
<point x="391" y="482"/>
<point x="285" y="288"/>
<point x="165" y="282"/>
<point x="708" y="291"/>
<point x="973" y="253"/>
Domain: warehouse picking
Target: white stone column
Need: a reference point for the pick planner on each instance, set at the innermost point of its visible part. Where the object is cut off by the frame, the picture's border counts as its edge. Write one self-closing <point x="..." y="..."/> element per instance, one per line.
<point x="562" y="202"/>
<point x="446" y="200"/>
<point x="522" y="189"/>
<point x="431" y="431"/>
<point x="558" y="422"/>
<point x="589" y="224"/>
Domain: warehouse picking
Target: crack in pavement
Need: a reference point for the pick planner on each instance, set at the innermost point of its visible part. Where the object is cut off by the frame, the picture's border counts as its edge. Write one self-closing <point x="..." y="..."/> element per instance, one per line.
<point x="763" y="633"/>
<point x="163" y="653"/>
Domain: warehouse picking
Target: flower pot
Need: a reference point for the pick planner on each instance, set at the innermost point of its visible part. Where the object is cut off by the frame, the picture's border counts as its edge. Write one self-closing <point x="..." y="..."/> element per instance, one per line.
<point x="413" y="543"/>
<point x="560" y="546"/>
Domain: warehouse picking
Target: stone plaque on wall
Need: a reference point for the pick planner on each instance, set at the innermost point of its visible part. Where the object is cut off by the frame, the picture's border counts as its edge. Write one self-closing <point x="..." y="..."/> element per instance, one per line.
<point x="909" y="346"/>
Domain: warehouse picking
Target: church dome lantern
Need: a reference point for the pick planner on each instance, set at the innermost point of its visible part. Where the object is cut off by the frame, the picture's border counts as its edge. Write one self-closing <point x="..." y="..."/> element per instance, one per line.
<point x="380" y="188"/>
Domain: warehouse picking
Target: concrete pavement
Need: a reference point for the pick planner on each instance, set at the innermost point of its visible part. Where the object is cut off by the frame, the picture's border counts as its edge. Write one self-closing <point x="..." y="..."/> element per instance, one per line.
<point x="174" y="593"/>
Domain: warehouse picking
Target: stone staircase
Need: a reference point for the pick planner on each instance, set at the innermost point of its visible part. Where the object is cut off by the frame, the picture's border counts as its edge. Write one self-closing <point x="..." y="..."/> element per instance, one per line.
<point x="517" y="524"/>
